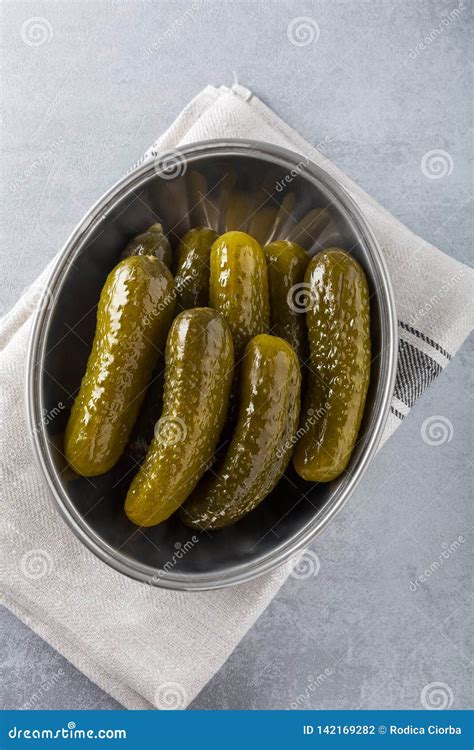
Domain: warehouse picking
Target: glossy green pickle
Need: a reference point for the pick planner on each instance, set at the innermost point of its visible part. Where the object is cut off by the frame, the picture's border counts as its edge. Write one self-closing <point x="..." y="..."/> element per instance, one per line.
<point x="152" y="242"/>
<point x="339" y="338"/>
<point x="198" y="375"/>
<point x="262" y="442"/>
<point x="133" y="317"/>
<point x="239" y="287"/>
<point x="287" y="263"/>
<point x="192" y="275"/>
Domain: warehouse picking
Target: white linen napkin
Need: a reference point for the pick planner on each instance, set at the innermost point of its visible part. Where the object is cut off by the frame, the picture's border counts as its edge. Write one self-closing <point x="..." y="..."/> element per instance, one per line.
<point x="145" y="646"/>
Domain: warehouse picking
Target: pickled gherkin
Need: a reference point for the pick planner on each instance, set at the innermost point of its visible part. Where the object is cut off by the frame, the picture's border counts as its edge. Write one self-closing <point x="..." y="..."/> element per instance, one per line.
<point x="152" y="242"/>
<point x="339" y="338"/>
<point x="133" y="317"/>
<point x="198" y="375"/>
<point x="263" y="438"/>
<point x="239" y="287"/>
<point x="192" y="275"/>
<point x="287" y="264"/>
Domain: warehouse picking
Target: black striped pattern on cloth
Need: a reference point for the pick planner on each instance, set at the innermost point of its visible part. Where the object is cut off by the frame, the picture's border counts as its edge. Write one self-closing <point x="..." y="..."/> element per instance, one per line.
<point x="418" y="334"/>
<point x="416" y="368"/>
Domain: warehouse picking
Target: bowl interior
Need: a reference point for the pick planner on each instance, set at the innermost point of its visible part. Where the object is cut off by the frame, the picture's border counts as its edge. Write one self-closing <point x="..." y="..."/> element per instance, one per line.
<point x="228" y="189"/>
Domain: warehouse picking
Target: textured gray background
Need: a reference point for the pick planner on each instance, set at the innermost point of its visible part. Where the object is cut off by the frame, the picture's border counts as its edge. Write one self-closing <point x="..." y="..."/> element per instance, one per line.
<point x="90" y="101"/>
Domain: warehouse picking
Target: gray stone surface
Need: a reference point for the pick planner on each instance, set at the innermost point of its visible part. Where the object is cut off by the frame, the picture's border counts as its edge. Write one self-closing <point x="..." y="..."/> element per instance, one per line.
<point x="90" y="101"/>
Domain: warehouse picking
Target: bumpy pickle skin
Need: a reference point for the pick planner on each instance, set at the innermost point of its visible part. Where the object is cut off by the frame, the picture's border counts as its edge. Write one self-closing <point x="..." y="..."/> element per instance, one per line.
<point x="152" y="242"/>
<point x="287" y="263"/>
<point x="239" y="287"/>
<point x="198" y="375"/>
<point x="339" y="338"/>
<point x="192" y="275"/>
<point x="261" y="446"/>
<point x="133" y="317"/>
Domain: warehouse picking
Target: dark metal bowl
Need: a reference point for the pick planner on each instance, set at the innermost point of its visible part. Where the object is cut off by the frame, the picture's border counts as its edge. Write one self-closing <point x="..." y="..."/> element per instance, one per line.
<point x="273" y="194"/>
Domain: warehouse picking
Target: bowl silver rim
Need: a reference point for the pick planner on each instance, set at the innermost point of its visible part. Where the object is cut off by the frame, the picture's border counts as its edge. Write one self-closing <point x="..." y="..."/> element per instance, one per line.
<point x="243" y="572"/>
